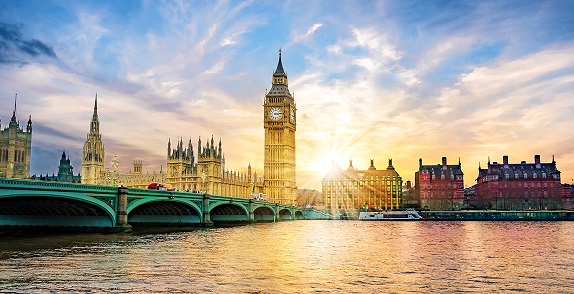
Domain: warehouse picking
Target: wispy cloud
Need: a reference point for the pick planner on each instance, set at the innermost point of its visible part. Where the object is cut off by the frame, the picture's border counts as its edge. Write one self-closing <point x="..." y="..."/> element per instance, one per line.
<point x="15" y="49"/>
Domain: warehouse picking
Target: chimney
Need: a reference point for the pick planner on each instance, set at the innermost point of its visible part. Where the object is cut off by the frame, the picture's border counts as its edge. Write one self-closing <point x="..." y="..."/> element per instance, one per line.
<point x="444" y="161"/>
<point x="505" y="159"/>
<point x="420" y="163"/>
<point x="372" y="167"/>
<point x="408" y="185"/>
<point x="390" y="164"/>
<point x="350" y="165"/>
<point x="537" y="159"/>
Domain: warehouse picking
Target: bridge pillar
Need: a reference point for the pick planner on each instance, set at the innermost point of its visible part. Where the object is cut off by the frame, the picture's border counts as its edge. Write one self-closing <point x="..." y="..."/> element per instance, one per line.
<point x="251" y="215"/>
<point x="121" y="214"/>
<point x="206" y="220"/>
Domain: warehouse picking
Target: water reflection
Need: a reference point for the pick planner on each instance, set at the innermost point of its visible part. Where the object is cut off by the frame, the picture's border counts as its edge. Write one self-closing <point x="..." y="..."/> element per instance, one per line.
<point x="301" y="257"/>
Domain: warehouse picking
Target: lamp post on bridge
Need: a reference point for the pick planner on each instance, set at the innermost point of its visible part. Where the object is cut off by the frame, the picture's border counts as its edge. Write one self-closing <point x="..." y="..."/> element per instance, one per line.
<point x="115" y="163"/>
<point x="203" y="176"/>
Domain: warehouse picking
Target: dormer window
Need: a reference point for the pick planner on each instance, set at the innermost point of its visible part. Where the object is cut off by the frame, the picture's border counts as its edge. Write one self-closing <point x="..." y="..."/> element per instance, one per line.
<point x="544" y="175"/>
<point x="516" y="175"/>
<point x="506" y="175"/>
<point x="534" y="175"/>
<point x="525" y="175"/>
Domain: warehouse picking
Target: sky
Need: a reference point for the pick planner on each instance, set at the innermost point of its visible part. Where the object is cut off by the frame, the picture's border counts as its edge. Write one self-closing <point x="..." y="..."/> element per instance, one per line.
<point x="474" y="80"/>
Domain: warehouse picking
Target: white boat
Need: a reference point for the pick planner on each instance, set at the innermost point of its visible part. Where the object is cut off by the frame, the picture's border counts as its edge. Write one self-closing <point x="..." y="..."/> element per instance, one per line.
<point x="409" y="214"/>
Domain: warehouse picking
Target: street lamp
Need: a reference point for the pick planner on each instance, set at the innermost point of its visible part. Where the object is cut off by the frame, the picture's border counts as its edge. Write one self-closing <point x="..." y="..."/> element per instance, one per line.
<point x="203" y="176"/>
<point x="115" y="163"/>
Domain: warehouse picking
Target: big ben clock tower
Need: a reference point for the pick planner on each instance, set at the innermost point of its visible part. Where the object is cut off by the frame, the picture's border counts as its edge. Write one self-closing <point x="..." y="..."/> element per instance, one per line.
<point x="279" y="114"/>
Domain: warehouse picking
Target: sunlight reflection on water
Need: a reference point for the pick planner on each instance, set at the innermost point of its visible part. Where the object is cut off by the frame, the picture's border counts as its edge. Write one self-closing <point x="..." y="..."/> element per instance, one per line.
<point x="301" y="257"/>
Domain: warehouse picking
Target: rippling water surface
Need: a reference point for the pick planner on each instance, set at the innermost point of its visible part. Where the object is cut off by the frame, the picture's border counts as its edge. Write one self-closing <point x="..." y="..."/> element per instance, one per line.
<point x="301" y="257"/>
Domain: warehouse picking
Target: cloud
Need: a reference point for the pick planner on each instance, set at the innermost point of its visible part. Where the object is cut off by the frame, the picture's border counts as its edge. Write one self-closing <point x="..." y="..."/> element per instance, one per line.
<point x="15" y="49"/>
<point x="302" y="37"/>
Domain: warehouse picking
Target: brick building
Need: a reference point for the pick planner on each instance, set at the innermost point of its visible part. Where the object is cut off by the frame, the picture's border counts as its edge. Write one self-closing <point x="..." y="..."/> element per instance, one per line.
<point x="440" y="186"/>
<point x="522" y="186"/>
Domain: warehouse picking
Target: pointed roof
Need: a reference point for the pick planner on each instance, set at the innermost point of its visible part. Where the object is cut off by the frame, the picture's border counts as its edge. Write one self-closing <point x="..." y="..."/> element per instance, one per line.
<point x="279" y="71"/>
<point x="96" y="106"/>
<point x="13" y="120"/>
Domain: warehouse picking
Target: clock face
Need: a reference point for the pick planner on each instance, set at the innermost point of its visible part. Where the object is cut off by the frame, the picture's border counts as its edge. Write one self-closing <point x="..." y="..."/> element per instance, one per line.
<point x="292" y="115"/>
<point x="275" y="113"/>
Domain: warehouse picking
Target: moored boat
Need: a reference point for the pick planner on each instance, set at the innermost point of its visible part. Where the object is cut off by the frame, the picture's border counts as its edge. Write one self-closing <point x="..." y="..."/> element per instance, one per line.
<point x="409" y="214"/>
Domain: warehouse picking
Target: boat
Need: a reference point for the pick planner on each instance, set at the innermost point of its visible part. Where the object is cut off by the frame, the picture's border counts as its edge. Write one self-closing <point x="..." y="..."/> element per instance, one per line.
<point x="409" y="214"/>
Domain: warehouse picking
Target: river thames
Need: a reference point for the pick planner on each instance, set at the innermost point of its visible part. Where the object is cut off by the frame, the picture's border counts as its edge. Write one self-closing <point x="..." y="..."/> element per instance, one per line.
<point x="300" y="257"/>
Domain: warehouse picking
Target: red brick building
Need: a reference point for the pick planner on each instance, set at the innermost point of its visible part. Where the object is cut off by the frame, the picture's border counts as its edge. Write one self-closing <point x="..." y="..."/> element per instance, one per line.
<point x="441" y="186"/>
<point x="523" y="186"/>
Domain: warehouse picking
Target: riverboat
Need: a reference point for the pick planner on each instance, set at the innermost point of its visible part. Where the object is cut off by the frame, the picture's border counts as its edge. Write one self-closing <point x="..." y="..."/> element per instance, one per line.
<point x="409" y="214"/>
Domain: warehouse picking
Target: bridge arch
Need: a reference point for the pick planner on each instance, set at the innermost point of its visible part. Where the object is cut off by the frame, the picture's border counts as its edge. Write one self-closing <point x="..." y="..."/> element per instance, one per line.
<point x="264" y="214"/>
<point x="228" y="212"/>
<point x="285" y="214"/>
<point x="160" y="210"/>
<point x="299" y="214"/>
<point x="56" y="210"/>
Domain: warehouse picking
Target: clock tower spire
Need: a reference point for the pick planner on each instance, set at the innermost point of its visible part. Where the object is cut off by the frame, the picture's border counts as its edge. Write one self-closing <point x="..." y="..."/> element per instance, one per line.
<point x="279" y="113"/>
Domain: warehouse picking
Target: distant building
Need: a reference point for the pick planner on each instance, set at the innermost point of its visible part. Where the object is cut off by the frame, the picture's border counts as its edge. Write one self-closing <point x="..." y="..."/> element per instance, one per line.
<point x="137" y="178"/>
<point x="310" y="198"/>
<point x="15" y="147"/>
<point x="65" y="172"/>
<point x="354" y="189"/>
<point x="411" y="196"/>
<point x="441" y="186"/>
<point x="521" y="186"/>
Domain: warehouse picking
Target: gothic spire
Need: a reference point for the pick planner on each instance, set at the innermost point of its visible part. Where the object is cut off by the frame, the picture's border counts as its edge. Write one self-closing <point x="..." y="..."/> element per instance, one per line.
<point x="95" y="129"/>
<point x="96" y="106"/>
<point x="279" y="71"/>
<point x="13" y="120"/>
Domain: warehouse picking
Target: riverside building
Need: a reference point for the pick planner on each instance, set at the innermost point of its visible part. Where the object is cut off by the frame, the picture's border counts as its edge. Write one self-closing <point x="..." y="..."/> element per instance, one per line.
<point x="441" y="186"/>
<point x="353" y="189"/>
<point x="208" y="173"/>
<point x="518" y="186"/>
<point x="15" y="147"/>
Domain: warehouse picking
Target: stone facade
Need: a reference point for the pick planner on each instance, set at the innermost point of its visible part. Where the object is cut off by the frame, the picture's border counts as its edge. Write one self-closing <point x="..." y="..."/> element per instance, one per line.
<point x="280" y="125"/>
<point x="208" y="174"/>
<point x="354" y="189"/>
<point x="15" y="148"/>
<point x="93" y="171"/>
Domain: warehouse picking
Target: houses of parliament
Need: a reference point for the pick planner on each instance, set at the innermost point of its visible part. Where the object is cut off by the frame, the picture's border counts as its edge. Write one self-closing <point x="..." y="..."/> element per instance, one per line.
<point x="200" y="170"/>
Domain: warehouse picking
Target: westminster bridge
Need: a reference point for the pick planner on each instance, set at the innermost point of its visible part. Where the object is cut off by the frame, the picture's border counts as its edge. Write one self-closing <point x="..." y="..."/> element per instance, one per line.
<point x="115" y="209"/>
